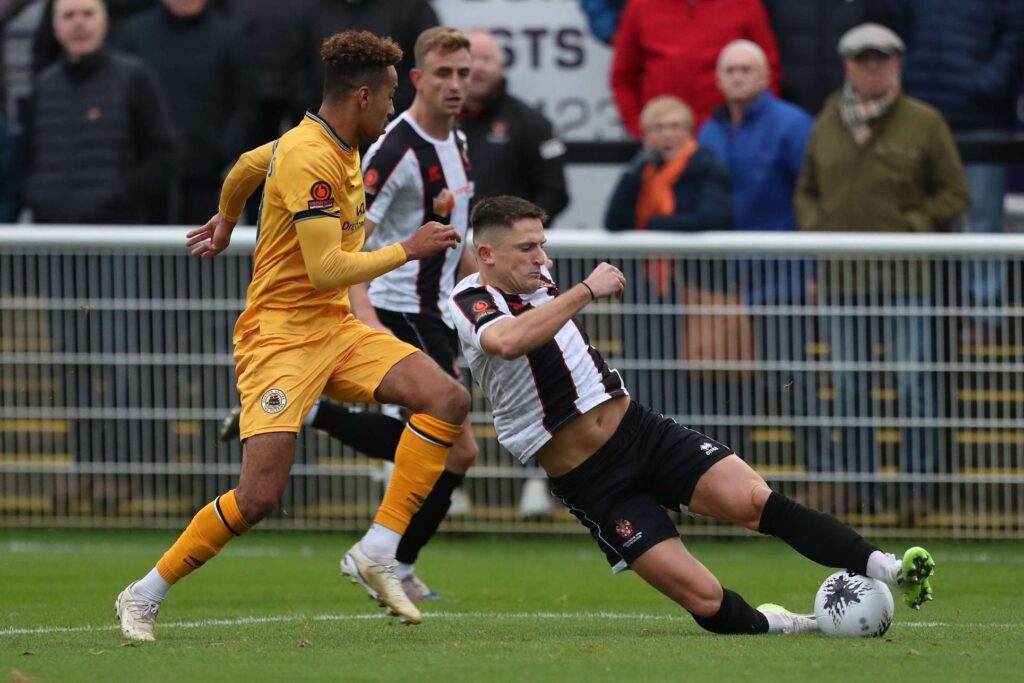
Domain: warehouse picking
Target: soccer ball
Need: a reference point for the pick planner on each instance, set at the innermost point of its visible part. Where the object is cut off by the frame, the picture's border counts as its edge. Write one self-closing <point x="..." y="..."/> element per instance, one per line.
<point x="849" y="605"/>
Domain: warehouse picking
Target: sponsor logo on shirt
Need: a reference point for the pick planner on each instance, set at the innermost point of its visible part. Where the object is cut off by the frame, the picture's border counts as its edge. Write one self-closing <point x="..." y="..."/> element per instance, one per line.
<point x="359" y="222"/>
<point x="321" y="195"/>
<point x="708" y="448"/>
<point x="444" y="203"/>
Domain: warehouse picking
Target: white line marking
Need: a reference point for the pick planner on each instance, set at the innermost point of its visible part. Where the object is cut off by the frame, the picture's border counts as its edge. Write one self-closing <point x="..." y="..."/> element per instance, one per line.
<point x="493" y="616"/>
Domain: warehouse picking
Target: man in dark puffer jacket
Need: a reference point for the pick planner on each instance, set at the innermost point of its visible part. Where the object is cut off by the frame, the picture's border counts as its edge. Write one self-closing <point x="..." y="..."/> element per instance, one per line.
<point x="98" y="139"/>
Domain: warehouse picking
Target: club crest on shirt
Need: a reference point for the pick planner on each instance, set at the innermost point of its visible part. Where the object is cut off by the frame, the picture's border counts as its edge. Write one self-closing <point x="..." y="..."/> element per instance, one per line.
<point x="273" y="401"/>
<point x="444" y="203"/>
<point x="499" y="132"/>
<point x="370" y="181"/>
<point x="321" y="195"/>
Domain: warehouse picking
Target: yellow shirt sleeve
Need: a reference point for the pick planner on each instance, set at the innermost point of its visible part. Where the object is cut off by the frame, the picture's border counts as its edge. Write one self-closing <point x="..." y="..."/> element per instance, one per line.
<point x="331" y="267"/>
<point x="245" y="176"/>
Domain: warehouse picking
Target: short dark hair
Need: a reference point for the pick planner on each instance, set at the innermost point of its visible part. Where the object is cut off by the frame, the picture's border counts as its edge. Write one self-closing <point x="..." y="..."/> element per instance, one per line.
<point x="356" y="58"/>
<point x="502" y="212"/>
<point x="441" y="38"/>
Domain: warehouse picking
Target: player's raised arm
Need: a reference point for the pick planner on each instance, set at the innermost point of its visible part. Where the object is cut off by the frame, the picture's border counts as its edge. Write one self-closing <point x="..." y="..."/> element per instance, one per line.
<point x="512" y="337"/>
<point x="243" y="179"/>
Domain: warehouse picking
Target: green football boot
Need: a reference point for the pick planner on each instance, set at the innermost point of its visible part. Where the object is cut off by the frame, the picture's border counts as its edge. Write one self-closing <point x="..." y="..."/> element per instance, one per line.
<point x="913" y="579"/>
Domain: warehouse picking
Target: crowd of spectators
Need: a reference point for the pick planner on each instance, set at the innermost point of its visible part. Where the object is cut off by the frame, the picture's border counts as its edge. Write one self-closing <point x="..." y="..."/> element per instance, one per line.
<point x="139" y="106"/>
<point x="214" y="77"/>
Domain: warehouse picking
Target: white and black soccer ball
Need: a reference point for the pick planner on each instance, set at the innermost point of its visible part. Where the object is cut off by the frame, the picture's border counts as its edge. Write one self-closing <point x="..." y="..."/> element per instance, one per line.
<point x="849" y="605"/>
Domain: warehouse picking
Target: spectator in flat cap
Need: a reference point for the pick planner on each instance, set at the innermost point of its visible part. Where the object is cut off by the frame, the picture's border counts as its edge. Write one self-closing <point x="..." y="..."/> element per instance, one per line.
<point x="869" y="36"/>
<point x="879" y="160"/>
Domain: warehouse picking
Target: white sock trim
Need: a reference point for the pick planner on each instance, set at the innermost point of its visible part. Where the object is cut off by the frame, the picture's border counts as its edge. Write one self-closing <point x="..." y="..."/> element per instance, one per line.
<point x="152" y="587"/>
<point x="884" y="567"/>
<point x="380" y="541"/>
<point x="405" y="570"/>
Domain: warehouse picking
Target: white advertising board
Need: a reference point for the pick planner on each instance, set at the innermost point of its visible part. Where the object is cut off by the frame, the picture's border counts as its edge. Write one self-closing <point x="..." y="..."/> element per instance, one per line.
<point x="554" y="63"/>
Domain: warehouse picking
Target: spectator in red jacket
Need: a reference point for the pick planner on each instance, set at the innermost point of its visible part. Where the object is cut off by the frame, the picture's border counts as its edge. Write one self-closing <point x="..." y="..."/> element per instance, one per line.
<point x="671" y="47"/>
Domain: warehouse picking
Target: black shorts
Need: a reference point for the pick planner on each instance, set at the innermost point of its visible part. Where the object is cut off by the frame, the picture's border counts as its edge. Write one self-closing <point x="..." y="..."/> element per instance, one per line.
<point x="620" y="493"/>
<point x="427" y="333"/>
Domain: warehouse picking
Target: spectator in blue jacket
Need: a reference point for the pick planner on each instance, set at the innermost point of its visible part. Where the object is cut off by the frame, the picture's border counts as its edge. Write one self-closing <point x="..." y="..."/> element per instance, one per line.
<point x="966" y="59"/>
<point x="760" y="138"/>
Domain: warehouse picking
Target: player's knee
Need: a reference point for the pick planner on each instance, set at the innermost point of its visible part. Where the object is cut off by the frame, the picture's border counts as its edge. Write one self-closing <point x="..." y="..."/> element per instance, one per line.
<point x="256" y="504"/>
<point x="703" y="602"/>
<point x="759" y="494"/>
<point x="463" y="454"/>
<point x="453" y="401"/>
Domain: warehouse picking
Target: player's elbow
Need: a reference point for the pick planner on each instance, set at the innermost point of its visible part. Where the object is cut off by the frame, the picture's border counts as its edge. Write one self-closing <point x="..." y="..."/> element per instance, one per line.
<point x="323" y="282"/>
<point x="509" y="349"/>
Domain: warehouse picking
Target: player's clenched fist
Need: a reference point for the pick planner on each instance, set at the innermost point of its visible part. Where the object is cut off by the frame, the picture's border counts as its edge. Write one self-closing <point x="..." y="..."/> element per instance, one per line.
<point x="430" y="239"/>
<point x="606" y="280"/>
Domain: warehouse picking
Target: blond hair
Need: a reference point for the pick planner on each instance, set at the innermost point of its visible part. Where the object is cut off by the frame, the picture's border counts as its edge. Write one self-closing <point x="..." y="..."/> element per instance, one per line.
<point x="441" y="38"/>
<point x="666" y="104"/>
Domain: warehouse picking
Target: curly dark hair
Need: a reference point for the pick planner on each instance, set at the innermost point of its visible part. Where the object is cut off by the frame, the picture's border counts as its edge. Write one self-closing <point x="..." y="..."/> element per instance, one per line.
<point x="356" y="58"/>
<point x="501" y="213"/>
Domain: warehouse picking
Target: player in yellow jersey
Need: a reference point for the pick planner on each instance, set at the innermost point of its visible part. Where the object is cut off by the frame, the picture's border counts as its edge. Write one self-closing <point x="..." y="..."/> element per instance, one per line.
<point x="297" y="339"/>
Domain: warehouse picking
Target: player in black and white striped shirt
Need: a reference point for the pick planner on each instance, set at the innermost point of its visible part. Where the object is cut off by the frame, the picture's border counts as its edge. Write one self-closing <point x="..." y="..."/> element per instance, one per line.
<point x="615" y="464"/>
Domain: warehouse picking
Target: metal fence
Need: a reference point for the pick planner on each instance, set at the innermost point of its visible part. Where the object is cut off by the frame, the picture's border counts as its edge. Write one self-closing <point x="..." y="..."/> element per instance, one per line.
<point x="875" y="376"/>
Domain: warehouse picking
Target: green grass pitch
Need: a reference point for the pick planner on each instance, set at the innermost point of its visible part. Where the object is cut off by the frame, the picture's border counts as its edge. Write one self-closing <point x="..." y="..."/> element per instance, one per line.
<point x="273" y="607"/>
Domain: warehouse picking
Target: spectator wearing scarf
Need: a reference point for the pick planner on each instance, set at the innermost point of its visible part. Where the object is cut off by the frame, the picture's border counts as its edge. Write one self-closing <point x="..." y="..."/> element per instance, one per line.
<point x="672" y="184"/>
<point x="880" y="161"/>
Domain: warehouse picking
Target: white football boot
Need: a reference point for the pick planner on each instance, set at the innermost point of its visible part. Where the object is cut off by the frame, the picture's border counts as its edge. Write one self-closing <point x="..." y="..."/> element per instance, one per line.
<point x="781" y="620"/>
<point x="137" y="615"/>
<point x="380" y="579"/>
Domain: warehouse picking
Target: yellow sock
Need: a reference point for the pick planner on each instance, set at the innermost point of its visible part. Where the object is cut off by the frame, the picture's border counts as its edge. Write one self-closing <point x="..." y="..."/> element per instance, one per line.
<point x="419" y="461"/>
<point x="208" y="532"/>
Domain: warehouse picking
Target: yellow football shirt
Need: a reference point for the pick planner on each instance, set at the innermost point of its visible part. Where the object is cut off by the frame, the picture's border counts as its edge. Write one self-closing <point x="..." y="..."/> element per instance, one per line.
<point x="311" y="175"/>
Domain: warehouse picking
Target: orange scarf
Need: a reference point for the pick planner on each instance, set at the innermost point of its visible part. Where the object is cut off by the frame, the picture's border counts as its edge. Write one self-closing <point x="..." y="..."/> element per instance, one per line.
<point x="658" y="198"/>
<point x="657" y="194"/>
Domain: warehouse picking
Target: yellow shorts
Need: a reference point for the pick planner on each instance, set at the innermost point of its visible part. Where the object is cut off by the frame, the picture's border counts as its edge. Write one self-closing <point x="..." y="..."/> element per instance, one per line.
<point x="281" y="376"/>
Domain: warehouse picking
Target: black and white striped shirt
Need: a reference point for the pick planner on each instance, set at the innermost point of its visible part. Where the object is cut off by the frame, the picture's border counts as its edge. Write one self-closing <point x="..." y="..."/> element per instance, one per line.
<point x="411" y="178"/>
<point x="535" y="395"/>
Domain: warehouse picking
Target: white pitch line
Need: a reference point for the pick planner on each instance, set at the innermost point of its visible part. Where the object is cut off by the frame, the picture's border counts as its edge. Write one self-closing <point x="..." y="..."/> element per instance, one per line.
<point x="503" y="616"/>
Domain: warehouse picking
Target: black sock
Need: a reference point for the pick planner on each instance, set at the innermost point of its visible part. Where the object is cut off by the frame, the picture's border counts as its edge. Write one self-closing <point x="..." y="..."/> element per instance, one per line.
<point x="815" y="535"/>
<point x="424" y="523"/>
<point x="374" y="434"/>
<point x="735" y="616"/>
